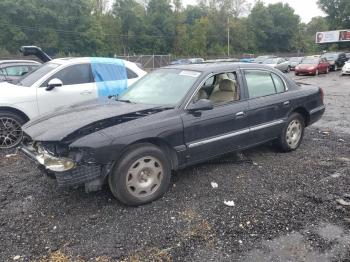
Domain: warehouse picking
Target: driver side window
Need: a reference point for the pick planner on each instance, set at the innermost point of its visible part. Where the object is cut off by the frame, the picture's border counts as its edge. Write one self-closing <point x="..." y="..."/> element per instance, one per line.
<point x="219" y="89"/>
<point x="73" y="75"/>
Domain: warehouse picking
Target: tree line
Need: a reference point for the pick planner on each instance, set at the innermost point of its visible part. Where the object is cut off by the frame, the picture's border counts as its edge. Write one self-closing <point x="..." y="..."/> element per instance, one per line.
<point x="106" y="27"/>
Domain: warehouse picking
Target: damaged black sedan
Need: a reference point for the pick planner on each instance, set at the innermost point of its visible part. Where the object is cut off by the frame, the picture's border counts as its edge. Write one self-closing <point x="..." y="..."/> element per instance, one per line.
<point x="172" y="118"/>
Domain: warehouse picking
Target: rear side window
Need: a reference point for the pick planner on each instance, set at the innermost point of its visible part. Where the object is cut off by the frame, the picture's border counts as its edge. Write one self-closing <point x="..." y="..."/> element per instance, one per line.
<point x="279" y="84"/>
<point x="259" y="83"/>
<point x="17" y="70"/>
<point x="73" y="75"/>
<point x="131" y="74"/>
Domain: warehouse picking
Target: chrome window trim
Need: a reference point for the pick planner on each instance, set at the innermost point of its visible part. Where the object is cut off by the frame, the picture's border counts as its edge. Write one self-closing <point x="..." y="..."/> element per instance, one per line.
<point x="236" y="133"/>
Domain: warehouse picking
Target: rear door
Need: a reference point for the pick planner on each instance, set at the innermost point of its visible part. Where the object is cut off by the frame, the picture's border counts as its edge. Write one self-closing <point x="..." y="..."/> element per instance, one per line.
<point x="78" y="86"/>
<point x="268" y="104"/>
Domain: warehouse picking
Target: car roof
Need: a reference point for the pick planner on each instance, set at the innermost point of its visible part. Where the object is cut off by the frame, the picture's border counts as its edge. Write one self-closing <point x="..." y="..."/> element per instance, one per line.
<point x="18" y="62"/>
<point x="73" y="60"/>
<point x="214" y="67"/>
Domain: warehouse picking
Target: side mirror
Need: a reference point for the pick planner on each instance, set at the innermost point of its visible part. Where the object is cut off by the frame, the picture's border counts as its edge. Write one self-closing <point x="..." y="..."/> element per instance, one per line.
<point x="53" y="83"/>
<point x="200" y="105"/>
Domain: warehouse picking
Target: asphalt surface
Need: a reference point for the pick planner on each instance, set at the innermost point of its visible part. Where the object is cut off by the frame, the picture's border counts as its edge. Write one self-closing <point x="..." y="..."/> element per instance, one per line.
<point x="285" y="206"/>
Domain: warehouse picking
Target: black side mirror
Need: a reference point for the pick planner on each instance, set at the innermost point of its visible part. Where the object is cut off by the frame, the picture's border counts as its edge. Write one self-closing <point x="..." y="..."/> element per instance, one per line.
<point x="200" y="105"/>
<point x="53" y="83"/>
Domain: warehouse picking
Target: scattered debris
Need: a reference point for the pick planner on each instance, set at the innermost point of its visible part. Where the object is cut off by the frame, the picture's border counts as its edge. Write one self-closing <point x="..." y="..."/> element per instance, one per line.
<point x="229" y="203"/>
<point x="341" y="140"/>
<point x="214" y="185"/>
<point x="10" y="155"/>
<point x="240" y="241"/>
<point x="326" y="132"/>
<point x="343" y="202"/>
<point x="335" y="175"/>
<point x="16" y="257"/>
<point x="344" y="159"/>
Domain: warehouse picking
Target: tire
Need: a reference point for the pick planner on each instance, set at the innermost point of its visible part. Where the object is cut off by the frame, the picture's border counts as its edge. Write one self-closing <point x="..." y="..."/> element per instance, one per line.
<point x="141" y="176"/>
<point x="296" y="74"/>
<point x="294" y="123"/>
<point x="11" y="133"/>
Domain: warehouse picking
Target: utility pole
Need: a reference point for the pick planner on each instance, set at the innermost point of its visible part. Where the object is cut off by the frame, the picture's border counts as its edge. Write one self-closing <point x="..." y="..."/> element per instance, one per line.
<point x="228" y="36"/>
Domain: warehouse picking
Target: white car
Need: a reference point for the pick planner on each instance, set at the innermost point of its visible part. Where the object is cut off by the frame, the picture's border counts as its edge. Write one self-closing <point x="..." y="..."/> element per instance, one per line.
<point x="60" y="83"/>
<point x="346" y="69"/>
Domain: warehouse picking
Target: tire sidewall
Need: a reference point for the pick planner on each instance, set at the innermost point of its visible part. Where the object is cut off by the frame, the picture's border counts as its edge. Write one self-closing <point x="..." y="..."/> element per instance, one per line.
<point x="283" y="141"/>
<point x="117" y="178"/>
<point x="15" y="117"/>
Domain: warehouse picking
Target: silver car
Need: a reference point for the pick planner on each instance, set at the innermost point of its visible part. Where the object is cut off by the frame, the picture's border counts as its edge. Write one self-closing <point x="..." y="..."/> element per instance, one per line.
<point x="278" y="63"/>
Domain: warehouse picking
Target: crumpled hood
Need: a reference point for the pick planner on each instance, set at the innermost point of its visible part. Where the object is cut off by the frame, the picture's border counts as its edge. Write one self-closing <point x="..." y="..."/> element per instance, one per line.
<point x="74" y="122"/>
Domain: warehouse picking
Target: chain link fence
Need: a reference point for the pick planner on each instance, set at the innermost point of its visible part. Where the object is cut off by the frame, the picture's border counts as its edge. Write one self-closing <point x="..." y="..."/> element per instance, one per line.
<point x="149" y="62"/>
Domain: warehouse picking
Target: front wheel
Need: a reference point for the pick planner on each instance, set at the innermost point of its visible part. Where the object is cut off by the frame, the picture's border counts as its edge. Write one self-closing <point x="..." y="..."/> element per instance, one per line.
<point x="11" y="133"/>
<point x="141" y="176"/>
<point x="293" y="132"/>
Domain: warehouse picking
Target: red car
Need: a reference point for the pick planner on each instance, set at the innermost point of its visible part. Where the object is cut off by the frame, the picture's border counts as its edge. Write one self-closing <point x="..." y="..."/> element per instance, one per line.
<point x="312" y="66"/>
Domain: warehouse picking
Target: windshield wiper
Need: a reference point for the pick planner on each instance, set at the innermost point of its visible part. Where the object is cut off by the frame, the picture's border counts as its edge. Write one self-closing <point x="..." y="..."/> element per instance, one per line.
<point x="116" y="98"/>
<point x="124" y="100"/>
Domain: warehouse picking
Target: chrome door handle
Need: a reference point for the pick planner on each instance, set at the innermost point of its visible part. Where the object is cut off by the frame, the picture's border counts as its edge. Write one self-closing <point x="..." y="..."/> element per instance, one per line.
<point x="240" y="114"/>
<point x="86" y="92"/>
<point x="286" y="103"/>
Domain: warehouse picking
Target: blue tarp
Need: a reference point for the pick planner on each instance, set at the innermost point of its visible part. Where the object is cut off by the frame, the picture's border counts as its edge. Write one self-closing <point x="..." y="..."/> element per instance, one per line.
<point x="110" y="76"/>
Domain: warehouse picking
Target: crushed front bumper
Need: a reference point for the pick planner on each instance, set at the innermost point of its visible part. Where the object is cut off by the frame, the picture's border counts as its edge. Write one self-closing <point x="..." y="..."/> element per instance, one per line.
<point x="80" y="174"/>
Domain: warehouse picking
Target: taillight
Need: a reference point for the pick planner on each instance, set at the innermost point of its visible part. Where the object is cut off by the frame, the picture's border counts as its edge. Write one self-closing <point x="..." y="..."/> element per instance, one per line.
<point x="322" y="95"/>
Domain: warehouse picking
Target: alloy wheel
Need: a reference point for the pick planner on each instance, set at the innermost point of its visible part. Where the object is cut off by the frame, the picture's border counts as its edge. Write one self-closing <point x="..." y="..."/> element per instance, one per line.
<point x="10" y="132"/>
<point x="293" y="134"/>
<point x="144" y="177"/>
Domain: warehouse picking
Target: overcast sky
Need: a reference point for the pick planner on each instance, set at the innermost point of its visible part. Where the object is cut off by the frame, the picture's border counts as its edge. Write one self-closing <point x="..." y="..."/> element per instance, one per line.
<point x="306" y="9"/>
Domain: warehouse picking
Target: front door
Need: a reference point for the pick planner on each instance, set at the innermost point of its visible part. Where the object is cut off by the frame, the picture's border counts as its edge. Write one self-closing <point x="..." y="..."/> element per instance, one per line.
<point x="219" y="130"/>
<point x="78" y="86"/>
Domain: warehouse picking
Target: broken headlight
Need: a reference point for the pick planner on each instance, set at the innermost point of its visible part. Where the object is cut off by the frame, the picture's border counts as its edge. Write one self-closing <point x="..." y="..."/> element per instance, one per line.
<point x="53" y="163"/>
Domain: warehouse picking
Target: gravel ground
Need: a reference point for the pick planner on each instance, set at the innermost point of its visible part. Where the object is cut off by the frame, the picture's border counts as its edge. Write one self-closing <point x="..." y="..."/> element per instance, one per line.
<point x="287" y="207"/>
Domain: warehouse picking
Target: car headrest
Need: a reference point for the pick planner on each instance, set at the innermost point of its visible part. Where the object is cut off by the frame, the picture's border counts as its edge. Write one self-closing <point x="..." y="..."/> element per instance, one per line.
<point x="227" y="85"/>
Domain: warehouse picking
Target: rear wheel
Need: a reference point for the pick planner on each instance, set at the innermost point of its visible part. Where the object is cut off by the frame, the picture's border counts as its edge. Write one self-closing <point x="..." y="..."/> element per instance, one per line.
<point x="141" y="176"/>
<point x="292" y="133"/>
<point x="11" y="133"/>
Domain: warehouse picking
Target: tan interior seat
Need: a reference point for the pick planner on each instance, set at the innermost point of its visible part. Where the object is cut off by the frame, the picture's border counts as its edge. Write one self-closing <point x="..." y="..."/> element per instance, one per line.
<point x="228" y="91"/>
<point x="201" y="94"/>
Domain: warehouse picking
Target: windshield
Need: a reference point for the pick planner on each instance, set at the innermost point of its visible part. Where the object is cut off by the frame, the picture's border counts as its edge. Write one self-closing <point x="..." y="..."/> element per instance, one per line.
<point x="271" y="61"/>
<point x="330" y="56"/>
<point x="295" y="59"/>
<point x="162" y="87"/>
<point x="310" y="61"/>
<point x="260" y="58"/>
<point x="30" y="78"/>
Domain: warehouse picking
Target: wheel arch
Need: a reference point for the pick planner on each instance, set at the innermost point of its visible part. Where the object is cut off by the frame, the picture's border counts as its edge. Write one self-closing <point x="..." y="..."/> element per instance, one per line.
<point x="158" y="142"/>
<point x="15" y="111"/>
<point x="304" y="113"/>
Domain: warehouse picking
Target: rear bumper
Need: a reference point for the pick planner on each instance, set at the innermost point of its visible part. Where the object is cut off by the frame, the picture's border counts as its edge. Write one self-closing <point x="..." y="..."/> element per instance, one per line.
<point x="316" y="114"/>
<point x="305" y="72"/>
<point x="79" y="175"/>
